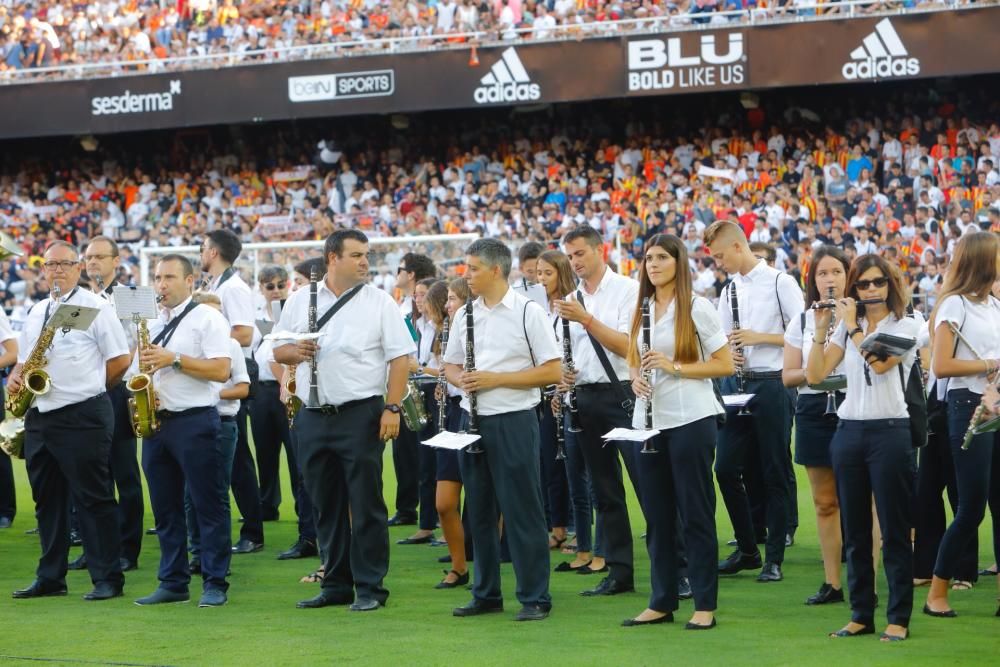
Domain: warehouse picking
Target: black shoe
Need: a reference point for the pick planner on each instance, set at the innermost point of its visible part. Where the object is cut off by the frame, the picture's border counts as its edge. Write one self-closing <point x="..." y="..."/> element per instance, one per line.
<point x="987" y="573"/>
<point x="303" y="548"/>
<point x="698" y="626"/>
<point x="462" y="580"/>
<point x="74" y="539"/>
<point x="128" y="565"/>
<point x="195" y="565"/>
<point x="438" y="543"/>
<point x="631" y="622"/>
<point x="151" y="531"/>
<point x="739" y="561"/>
<point x="684" y="591"/>
<point x="826" y="595"/>
<point x="586" y="569"/>
<point x="366" y="604"/>
<point x="789" y="539"/>
<point x="567" y="566"/>
<point x="609" y="586"/>
<point x="402" y="520"/>
<point x="770" y="572"/>
<point x="532" y="612"/>
<point x="163" y="596"/>
<point x="79" y="563"/>
<point x="39" y="590"/>
<point x="104" y="591"/>
<point x="246" y="546"/>
<point x="477" y="608"/>
<point x="31" y="531"/>
<point x="325" y="599"/>
<point x="213" y="597"/>
<point x="5" y="522"/>
<point x="866" y="630"/>
<point x="271" y="516"/>
<point x="426" y="539"/>
<point x="444" y="559"/>
<point x="950" y="613"/>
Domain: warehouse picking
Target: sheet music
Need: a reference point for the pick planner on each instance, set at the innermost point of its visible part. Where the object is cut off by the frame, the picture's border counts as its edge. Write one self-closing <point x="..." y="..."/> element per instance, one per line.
<point x="737" y="400"/>
<point x="449" y="440"/>
<point x="71" y="317"/>
<point x="630" y="434"/>
<point x="533" y="291"/>
<point x="130" y="301"/>
<point x="265" y="326"/>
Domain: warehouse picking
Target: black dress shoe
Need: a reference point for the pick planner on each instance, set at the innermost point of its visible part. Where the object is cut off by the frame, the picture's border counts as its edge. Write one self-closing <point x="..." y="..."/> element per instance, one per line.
<point x="609" y="586"/>
<point x="151" y="531"/>
<point x="325" y="600"/>
<point x="634" y="622"/>
<point x="246" y="546"/>
<point x="39" y="590"/>
<point x="303" y="548"/>
<point x="5" y="522"/>
<point x="826" y="595"/>
<point x="402" y="520"/>
<point x="74" y="539"/>
<point x="987" y="572"/>
<point x="533" y="612"/>
<point x="684" y="591"/>
<point x="416" y="540"/>
<point x="104" y="591"/>
<point x="79" y="563"/>
<point x="461" y="580"/>
<point x="195" y="565"/>
<point x="445" y="558"/>
<point x="698" y="626"/>
<point x="477" y="608"/>
<point x="738" y="561"/>
<point x="866" y="630"/>
<point x="366" y="604"/>
<point x="127" y="565"/>
<point x="789" y="539"/>
<point x="950" y="613"/>
<point x="770" y="572"/>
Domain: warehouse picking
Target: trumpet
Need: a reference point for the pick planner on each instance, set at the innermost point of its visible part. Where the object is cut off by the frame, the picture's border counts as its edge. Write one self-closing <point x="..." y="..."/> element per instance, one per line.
<point x="983" y="409"/>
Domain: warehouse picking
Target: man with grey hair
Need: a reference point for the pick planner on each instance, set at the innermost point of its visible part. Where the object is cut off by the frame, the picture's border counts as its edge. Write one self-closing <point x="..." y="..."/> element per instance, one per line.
<point x="514" y="353"/>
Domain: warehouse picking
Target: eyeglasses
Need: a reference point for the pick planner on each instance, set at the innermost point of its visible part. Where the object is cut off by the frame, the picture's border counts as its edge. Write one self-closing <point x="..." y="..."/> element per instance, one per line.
<point x="99" y="258"/>
<point x="401" y="269"/>
<point x="874" y="282"/>
<point x="64" y="265"/>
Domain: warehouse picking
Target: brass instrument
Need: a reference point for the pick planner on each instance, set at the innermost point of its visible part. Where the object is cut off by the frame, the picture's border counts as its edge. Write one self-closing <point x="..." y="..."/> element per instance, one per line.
<point x="470" y="366"/>
<point x="647" y="375"/>
<point x="982" y="411"/>
<point x="293" y="403"/>
<point x="740" y="382"/>
<point x="574" y="413"/>
<point x="143" y="403"/>
<point x="412" y="407"/>
<point x="34" y="382"/>
<point x="442" y="381"/>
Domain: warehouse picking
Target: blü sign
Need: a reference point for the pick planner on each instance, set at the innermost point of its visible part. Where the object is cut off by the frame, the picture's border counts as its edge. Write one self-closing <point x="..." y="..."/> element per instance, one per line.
<point x="688" y="61"/>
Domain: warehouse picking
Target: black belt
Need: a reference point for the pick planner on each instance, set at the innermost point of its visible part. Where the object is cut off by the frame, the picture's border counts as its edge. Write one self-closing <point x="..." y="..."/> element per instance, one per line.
<point x="761" y="375"/>
<point x="343" y="407"/>
<point x="73" y="405"/>
<point x="170" y="414"/>
<point x="227" y="418"/>
<point x="599" y="386"/>
<point x="268" y="383"/>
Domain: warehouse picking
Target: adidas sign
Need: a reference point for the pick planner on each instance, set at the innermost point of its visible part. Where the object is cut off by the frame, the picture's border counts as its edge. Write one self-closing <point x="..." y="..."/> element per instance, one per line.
<point x="880" y="56"/>
<point x="507" y="81"/>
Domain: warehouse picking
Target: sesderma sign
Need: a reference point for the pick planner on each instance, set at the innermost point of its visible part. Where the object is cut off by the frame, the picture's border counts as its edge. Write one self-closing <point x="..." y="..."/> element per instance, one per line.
<point x="130" y="102"/>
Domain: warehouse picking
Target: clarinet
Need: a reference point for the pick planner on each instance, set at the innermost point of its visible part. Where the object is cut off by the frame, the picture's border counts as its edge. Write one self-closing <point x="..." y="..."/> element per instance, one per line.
<point x="313" y="368"/>
<point x="470" y="365"/>
<point x="560" y="429"/>
<point x="647" y="375"/>
<point x="442" y="382"/>
<point x="740" y="381"/>
<point x="574" y="414"/>
<point x="831" y="396"/>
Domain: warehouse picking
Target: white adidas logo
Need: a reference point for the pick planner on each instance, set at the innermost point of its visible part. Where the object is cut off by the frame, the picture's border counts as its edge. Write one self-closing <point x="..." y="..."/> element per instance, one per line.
<point x="881" y="55"/>
<point x="507" y="81"/>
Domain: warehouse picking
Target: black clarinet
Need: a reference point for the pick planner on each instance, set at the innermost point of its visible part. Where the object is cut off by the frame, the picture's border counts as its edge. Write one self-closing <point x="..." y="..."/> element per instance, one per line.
<point x="647" y="375"/>
<point x="560" y="428"/>
<point x="313" y="368"/>
<point x="740" y="381"/>
<point x="574" y="414"/>
<point x="470" y="365"/>
<point x="442" y="382"/>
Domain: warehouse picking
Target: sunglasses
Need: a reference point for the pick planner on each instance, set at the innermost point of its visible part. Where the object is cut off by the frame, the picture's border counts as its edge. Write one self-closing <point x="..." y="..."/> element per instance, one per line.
<point x="271" y="286"/>
<point x="874" y="282"/>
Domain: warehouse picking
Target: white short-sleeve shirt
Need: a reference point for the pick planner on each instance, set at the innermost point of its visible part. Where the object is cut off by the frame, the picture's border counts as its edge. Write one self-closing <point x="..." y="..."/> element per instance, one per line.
<point x="980" y="325"/>
<point x="613" y="304"/>
<point x="237" y="374"/>
<point x="237" y="305"/>
<point x="803" y="340"/>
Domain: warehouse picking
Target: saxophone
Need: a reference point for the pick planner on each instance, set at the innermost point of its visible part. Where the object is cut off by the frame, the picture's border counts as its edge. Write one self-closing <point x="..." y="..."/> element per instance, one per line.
<point x="34" y="382"/>
<point x="143" y="403"/>
<point x="293" y="403"/>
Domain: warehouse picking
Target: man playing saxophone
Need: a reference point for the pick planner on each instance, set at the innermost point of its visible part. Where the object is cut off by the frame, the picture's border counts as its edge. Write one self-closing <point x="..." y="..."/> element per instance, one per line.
<point x="69" y="428"/>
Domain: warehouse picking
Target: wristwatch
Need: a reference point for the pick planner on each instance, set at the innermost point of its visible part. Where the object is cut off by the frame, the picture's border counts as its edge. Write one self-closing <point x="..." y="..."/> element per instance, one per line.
<point x="392" y="407"/>
<point x="677" y="370"/>
<point x="177" y="362"/>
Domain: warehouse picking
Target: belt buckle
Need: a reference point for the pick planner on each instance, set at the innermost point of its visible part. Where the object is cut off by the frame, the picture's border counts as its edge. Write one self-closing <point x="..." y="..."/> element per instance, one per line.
<point x="329" y="410"/>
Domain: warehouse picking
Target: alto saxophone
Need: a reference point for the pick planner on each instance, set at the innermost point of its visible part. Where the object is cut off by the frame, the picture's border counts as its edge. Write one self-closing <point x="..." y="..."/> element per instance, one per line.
<point x="143" y="403"/>
<point x="293" y="403"/>
<point x="34" y="382"/>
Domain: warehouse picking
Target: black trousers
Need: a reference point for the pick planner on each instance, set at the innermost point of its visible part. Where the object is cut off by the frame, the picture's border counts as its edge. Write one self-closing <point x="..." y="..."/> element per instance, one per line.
<point x="269" y="425"/>
<point x="342" y="459"/>
<point x="504" y="479"/>
<point x="600" y="411"/>
<point x="126" y="475"/>
<point x="763" y="435"/>
<point x="304" y="507"/>
<point x="427" y="458"/>
<point x="245" y="489"/>
<point x="677" y="480"/>
<point x="67" y="452"/>
<point x="8" y="494"/>
<point x="555" y="487"/>
<point x="187" y="451"/>
<point x="874" y="457"/>
<point x="406" y="463"/>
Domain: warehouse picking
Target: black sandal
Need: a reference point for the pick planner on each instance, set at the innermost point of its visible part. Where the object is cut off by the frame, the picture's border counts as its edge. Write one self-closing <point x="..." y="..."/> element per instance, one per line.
<point x="462" y="580"/>
<point x="558" y="543"/>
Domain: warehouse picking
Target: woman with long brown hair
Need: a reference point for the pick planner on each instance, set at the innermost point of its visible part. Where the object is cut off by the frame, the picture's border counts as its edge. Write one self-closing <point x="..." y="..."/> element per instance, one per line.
<point x="687" y="349"/>
<point x="871" y="450"/>
<point x="969" y="362"/>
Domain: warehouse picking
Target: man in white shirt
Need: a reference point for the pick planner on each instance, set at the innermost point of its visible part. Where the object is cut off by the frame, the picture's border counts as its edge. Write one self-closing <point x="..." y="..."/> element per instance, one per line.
<point x="67" y="439"/>
<point x="514" y="354"/>
<point x="219" y="252"/>
<point x="8" y="496"/>
<point x="766" y="300"/>
<point x="341" y="438"/>
<point x="188" y="353"/>
<point x="600" y="315"/>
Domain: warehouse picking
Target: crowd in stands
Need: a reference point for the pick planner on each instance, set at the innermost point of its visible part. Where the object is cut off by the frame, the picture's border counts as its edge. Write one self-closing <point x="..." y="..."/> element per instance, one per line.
<point x="905" y="181"/>
<point x="39" y="34"/>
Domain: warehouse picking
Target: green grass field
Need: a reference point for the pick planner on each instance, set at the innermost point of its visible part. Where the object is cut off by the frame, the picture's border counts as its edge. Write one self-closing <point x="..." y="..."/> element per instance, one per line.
<point x="759" y="624"/>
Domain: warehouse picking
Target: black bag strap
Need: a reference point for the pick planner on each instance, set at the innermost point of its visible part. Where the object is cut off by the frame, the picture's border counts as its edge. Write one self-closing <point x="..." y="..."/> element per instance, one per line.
<point x="168" y="331"/>
<point x="802" y="324"/>
<point x="341" y="302"/>
<point x="777" y="299"/>
<point x="226" y="275"/>
<point x="602" y="356"/>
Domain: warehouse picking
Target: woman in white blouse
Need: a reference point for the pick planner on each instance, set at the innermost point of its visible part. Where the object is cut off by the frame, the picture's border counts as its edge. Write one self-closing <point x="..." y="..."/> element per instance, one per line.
<point x="871" y="450"/>
<point x="688" y="349"/>
<point x="969" y="363"/>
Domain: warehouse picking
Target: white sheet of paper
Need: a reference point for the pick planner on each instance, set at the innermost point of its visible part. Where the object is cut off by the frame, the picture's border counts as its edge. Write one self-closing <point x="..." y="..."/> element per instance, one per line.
<point x="449" y="440"/>
<point x="737" y="400"/>
<point x="288" y="335"/>
<point x="72" y="317"/>
<point x="265" y="326"/>
<point x="131" y="301"/>
<point x="630" y="434"/>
